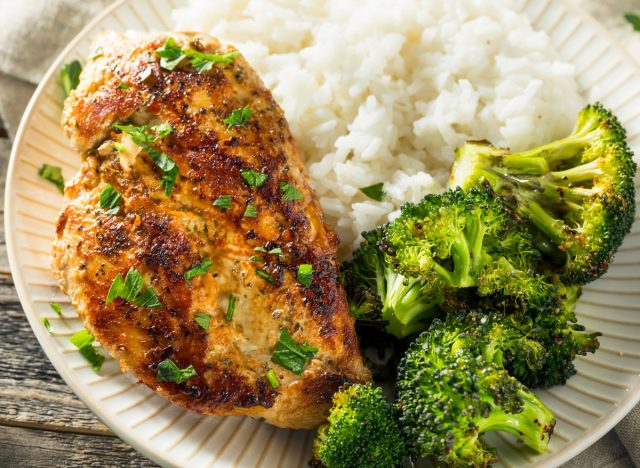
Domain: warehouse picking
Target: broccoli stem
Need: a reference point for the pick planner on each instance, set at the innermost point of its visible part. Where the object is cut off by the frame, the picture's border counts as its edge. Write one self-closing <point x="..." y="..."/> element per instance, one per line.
<point x="532" y="426"/>
<point x="582" y="173"/>
<point x="559" y="150"/>
<point x="541" y="219"/>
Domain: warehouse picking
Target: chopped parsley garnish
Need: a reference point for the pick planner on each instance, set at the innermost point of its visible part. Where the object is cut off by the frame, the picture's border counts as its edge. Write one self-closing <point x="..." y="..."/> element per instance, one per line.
<point x="124" y="86"/>
<point x="375" y="192"/>
<point x="238" y="117"/>
<point x="253" y="178"/>
<point x="53" y="174"/>
<point x="70" y="76"/>
<point x="291" y="355"/>
<point x="96" y="53"/>
<point x="290" y="193"/>
<point x="171" y="55"/>
<point x="231" y="308"/>
<point x="204" y="320"/>
<point x="223" y="202"/>
<point x="272" y="378"/>
<point x="162" y="130"/>
<point x="634" y="20"/>
<point x="110" y="200"/>
<point x="168" y="371"/>
<point x="305" y="273"/>
<point x="57" y="308"/>
<point x="119" y="146"/>
<point x="251" y="211"/>
<point x="256" y="258"/>
<point x="260" y="249"/>
<point x="83" y="340"/>
<point x="145" y="74"/>
<point x="199" y="269"/>
<point x="47" y="325"/>
<point x="130" y="289"/>
<point x="265" y="276"/>
<point x="276" y="251"/>
<point x="142" y="137"/>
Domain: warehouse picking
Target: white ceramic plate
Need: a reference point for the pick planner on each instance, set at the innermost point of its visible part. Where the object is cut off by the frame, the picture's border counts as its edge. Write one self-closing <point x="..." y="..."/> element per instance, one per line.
<point x="606" y="387"/>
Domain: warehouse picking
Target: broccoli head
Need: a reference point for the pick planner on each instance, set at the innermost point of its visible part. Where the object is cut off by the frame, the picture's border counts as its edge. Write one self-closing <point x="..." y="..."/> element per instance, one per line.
<point x="463" y="239"/>
<point x="362" y="431"/>
<point x="577" y="192"/>
<point x="452" y="388"/>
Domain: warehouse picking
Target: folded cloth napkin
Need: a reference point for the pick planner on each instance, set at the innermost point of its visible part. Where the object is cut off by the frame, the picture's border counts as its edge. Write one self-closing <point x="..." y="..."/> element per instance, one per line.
<point x="33" y="32"/>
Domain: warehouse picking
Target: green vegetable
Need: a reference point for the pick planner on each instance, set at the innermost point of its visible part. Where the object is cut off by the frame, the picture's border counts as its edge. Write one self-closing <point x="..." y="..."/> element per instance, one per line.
<point x="265" y="276"/>
<point x="375" y="192"/>
<point x="251" y="211"/>
<point x="142" y="137"/>
<point x="130" y="289"/>
<point x="305" y="274"/>
<point x="634" y="20"/>
<point x="291" y="355"/>
<point x="256" y="258"/>
<point x="119" y="147"/>
<point x="47" y="325"/>
<point x="110" y="200"/>
<point x="83" y="340"/>
<point x="198" y="269"/>
<point x="57" y="308"/>
<point x="253" y="178"/>
<point x="452" y="388"/>
<point x="238" y="117"/>
<point x="53" y="174"/>
<point x="162" y="130"/>
<point x="204" y="320"/>
<point x="124" y="86"/>
<point x="171" y="55"/>
<point x="275" y="251"/>
<point x="168" y="371"/>
<point x="70" y="76"/>
<point x="231" y="308"/>
<point x="272" y="378"/>
<point x="223" y="202"/>
<point x="362" y="431"/>
<point x="576" y="193"/>
<point x="290" y="193"/>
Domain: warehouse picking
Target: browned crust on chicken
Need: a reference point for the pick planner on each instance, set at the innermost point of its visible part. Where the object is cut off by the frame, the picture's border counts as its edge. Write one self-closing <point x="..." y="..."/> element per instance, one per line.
<point x="162" y="237"/>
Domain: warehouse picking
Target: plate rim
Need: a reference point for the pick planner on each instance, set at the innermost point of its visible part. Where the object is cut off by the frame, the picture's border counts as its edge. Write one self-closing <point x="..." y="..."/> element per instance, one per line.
<point x="569" y="451"/>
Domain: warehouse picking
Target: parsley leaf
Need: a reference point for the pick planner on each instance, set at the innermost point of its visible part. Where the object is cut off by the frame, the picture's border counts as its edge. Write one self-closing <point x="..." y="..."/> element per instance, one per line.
<point x="130" y="289"/>
<point x="110" y="200"/>
<point x="204" y="320"/>
<point x="198" y="269"/>
<point x="272" y="378"/>
<point x="253" y="178"/>
<point x="119" y="147"/>
<point x="276" y="251"/>
<point x="231" y="308"/>
<point x="57" y="308"/>
<point x="265" y="276"/>
<point x="203" y="62"/>
<point x="375" y="192"/>
<point x="142" y="137"/>
<point x="162" y="130"/>
<point x="291" y="355"/>
<point x="251" y="211"/>
<point x="260" y="249"/>
<point x="70" y="76"/>
<point x="223" y="202"/>
<point x="170" y="54"/>
<point x="634" y="19"/>
<point x="290" y="193"/>
<point x="83" y="340"/>
<point x="238" y="117"/>
<point x="256" y="258"/>
<point x="47" y="325"/>
<point x="168" y="371"/>
<point x="305" y="274"/>
<point x="53" y="174"/>
<point x="124" y="86"/>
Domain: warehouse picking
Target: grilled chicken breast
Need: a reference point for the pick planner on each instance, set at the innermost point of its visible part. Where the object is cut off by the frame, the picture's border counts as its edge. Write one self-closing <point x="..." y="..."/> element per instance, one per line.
<point x="163" y="236"/>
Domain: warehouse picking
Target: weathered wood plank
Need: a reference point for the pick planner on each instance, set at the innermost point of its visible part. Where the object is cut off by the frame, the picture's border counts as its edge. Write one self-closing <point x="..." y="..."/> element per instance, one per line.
<point x="38" y="448"/>
<point x="5" y="149"/>
<point x="31" y="391"/>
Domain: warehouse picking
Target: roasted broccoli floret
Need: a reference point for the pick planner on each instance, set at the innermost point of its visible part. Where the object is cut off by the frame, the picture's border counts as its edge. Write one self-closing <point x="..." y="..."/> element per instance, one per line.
<point x="378" y="294"/>
<point x="452" y="388"/>
<point x="577" y="192"/>
<point x="463" y="239"/>
<point x="362" y="431"/>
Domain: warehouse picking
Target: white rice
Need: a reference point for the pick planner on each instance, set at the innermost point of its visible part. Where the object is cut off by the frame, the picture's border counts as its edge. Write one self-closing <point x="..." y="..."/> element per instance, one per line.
<point x="385" y="90"/>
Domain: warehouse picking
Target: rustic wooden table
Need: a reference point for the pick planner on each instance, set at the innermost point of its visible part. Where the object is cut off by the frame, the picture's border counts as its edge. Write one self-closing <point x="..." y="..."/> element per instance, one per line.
<point x="42" y="422"/>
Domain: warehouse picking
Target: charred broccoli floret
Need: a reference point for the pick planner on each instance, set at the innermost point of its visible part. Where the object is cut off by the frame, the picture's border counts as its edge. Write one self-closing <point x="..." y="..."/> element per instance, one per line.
<point x="464" y="239"/>
<point x="452" y="388"/>
<point x="577" y="192"/>
<point x="362" y="431"/>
